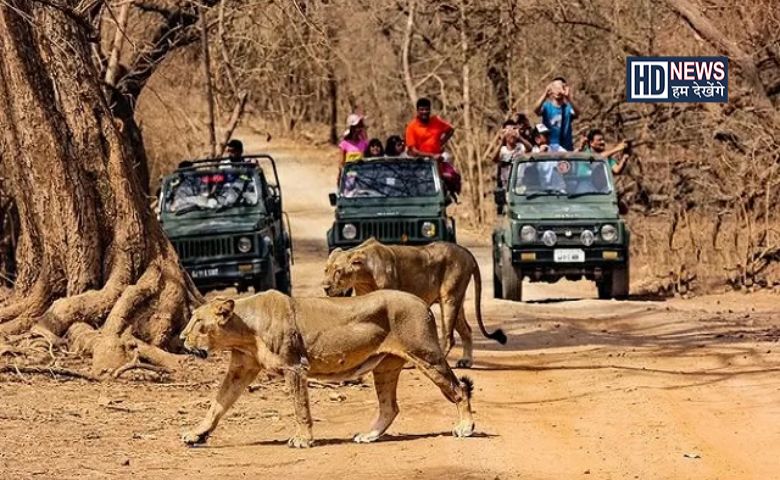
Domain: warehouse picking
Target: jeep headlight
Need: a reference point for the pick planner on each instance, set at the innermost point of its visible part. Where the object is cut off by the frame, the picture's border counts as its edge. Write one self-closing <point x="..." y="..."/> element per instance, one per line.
<point x="244" y="244"/>
<point x="527" y="234"/>
<point x="549" y="238"/>
<point x="349" y="231"/>
<point x="609" y="233"/>
<point x="587" y="238"/>
<point x="428" y="229"/>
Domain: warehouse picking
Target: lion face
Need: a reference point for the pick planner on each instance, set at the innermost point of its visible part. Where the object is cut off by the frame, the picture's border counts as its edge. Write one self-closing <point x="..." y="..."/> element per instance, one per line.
<point x="206" y="327"/>
<point x="343" y="271"/>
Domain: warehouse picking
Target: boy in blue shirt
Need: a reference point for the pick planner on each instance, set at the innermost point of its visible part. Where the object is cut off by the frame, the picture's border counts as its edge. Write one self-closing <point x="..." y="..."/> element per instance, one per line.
<point x="557" y="111"/>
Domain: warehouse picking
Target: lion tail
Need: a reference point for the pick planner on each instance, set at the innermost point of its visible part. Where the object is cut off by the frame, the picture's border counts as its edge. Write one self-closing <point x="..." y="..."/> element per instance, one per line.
<point x="468" y="386"/>
<point x="497" y="335"/>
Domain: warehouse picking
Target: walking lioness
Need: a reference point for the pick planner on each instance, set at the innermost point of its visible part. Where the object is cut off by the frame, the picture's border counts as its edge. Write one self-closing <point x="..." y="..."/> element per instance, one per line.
<point x="439" y="272"/>
<point x="324" y="338"/>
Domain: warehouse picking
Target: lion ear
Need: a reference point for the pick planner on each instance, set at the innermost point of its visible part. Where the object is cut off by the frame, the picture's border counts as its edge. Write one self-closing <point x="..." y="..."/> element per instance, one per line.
<point x="223" y="308"/>
<point x="334" y="253"/>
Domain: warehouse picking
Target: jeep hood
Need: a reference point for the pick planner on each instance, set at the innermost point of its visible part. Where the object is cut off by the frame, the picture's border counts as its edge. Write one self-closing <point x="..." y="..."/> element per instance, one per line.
<point x="422" y="208"/>
<point x="185" y="227"/>
<point x="564" y="211"/>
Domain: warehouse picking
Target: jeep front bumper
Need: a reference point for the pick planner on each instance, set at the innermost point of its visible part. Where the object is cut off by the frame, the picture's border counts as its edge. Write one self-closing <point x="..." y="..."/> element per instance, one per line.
<point x="539" y="263"/>
<point x="228" y="272"/>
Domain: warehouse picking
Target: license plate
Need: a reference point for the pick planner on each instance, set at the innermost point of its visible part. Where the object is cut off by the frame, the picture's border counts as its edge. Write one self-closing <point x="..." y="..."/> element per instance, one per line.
<point x="205" y="272"/>
<point x="570" y="255"/>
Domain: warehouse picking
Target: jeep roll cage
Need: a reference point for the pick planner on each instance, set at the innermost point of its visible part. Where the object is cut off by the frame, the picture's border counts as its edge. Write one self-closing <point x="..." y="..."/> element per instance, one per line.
<point x="222" y="162"/>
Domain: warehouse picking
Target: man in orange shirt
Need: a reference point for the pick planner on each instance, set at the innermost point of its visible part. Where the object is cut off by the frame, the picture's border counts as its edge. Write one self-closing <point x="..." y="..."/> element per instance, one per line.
<point x="427" y="134"/>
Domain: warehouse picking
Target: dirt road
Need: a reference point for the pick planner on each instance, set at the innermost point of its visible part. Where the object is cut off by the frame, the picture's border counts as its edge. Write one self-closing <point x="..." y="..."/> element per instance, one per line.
<point x="583" y="389"/>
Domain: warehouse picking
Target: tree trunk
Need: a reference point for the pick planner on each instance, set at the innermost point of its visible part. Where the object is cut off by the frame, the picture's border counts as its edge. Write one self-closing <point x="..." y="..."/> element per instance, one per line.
<point x="471" y="157"/>
<point x="700" y="24"/>
<point x="333" y="103"/>
<point x="91" y="254"/>
<point x="411" y="91"/>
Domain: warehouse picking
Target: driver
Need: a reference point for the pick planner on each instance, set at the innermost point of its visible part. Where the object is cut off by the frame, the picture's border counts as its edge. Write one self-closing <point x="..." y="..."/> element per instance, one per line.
<point x="531" y="179"/>
<point x="541" y="176"/>
<point x="235" y="151"/>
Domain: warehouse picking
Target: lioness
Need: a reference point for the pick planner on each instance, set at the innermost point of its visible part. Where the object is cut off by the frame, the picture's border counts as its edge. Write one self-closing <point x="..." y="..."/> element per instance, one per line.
<point x="325" y="338"/>
<point x="437" y="272"/>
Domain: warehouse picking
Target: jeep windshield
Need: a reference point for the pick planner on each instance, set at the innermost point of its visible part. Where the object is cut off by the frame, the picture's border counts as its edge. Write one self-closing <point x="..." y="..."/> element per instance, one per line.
<point x="215" y="190"/>
<point x="562" y="177"/>
<point x="390" y="179"/>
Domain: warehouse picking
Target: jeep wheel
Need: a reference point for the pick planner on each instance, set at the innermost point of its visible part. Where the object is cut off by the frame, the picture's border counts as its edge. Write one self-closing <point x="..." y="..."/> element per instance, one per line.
<point x="615" y="284"/>
<point x="604" y="286"/>
<point x="620" y="281"/>
<point x="511" y="278"/>
<point x="283" y="282"/>
<point x="266" y="282"/>
<point x="497" y="288"/>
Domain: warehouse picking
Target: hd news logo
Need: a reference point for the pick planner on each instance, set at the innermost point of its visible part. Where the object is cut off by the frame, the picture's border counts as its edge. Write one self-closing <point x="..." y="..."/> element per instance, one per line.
<point x="677" y="79"/>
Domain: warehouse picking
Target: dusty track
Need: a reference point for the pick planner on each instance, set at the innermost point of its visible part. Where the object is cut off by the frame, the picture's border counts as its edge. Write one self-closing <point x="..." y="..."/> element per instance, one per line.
<point x="584" y="389"/>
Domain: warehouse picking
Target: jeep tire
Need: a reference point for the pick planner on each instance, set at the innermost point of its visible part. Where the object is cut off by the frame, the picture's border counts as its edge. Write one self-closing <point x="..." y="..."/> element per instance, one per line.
<point x="497" y="288"/>
<point x="266" y="282"/>
<point x="283" y="281"/>
<point x="511" y="277"/>
<point x="615" y="284"/>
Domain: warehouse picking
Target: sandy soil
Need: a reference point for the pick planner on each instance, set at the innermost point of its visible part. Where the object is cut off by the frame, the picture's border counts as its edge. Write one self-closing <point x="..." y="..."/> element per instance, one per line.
<point x="584" y="389"/>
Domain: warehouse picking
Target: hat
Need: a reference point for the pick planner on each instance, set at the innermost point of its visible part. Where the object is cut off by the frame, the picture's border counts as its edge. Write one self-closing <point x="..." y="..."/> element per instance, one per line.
<point x="542" y="128"/>
<point x="353" y="120"/>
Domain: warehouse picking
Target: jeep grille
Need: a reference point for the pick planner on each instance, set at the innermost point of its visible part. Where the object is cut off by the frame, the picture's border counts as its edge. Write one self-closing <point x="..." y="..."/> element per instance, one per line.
<point x="386" y="230"/>
<point x="205" y="247"/>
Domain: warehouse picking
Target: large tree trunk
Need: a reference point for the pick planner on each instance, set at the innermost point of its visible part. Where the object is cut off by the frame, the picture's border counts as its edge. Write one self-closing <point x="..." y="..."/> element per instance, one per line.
<point x="92" y="259"/>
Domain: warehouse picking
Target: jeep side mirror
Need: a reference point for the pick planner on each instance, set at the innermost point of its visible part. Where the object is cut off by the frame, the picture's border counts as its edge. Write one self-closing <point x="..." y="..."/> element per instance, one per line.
<point x="332" y="197"/>
<point x="499" y="195"/>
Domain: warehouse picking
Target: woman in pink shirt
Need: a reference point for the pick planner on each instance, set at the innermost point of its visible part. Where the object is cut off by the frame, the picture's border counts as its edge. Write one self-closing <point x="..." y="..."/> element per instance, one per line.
<point x="355" y="140"/>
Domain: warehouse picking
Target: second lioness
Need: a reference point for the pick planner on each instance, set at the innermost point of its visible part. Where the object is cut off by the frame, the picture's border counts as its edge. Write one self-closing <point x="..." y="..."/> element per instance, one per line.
<point x="439" y="272"/>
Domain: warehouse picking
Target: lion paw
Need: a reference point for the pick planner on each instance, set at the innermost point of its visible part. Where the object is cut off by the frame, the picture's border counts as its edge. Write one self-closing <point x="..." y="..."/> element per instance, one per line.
<point x="194" y="437"/>
<point x="365" y="437"/>
<point x="464" y="363"/>
<point x="463" y="429"/>
<point x="300" y="442"/>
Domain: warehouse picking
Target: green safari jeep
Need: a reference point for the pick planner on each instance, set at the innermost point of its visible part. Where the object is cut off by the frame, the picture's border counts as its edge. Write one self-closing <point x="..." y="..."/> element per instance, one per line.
<point x="225" y="220"/>
<point x="560" y="219"/>
<point x="395" y="200"/>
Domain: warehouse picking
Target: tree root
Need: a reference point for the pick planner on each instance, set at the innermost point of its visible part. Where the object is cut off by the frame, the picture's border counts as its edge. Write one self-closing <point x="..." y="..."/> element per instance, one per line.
<point x="33" y="305"/>
<point x="122" y="326"/>
<point x="136" y="364"/>
<point x="52" y="371"/>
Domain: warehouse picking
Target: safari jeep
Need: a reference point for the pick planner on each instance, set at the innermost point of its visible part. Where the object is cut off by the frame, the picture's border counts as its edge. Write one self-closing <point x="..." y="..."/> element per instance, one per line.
<point x="395" y="200"/>
<point x="559" y="219"/>
<point x="226" y="222"/>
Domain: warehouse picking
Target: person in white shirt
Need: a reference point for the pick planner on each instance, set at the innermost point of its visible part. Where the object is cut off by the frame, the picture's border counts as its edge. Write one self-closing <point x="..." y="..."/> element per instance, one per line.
<point x="541" y="137"/>
<point x="511" y="146"/>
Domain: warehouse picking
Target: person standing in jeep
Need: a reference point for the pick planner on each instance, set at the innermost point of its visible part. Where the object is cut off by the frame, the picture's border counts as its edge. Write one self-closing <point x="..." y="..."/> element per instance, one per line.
<point x="426" y="136"/>
<point x="557" y="110"/>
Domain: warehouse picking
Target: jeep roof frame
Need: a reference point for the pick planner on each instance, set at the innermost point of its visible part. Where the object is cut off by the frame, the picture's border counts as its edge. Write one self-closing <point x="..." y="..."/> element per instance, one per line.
<point x="393" y="159"/>
<point x="548" y="156"/>
<point x="207" y="163"/>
